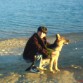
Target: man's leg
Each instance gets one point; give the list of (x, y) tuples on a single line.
[(37, 63), (38, 60), (30, 67)]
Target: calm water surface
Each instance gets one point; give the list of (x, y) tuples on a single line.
[(20, 18)]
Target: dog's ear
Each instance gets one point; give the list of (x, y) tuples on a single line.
[(57, 36)]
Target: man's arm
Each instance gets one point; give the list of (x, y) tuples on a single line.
[(38, 47)]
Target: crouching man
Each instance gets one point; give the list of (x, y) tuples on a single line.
[(36, 49)]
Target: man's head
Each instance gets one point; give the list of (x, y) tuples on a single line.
[(42, 31)]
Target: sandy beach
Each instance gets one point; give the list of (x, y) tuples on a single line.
[(14, 73), (12, 66)]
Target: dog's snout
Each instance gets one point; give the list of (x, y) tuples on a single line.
[(67, 41)]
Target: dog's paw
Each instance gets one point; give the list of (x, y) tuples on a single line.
[(52, 71), (42, 68), (58, 70)]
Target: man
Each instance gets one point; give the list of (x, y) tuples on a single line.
[(37, 48)]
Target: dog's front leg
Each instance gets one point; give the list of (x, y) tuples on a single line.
[(56, 64), (51, 65)]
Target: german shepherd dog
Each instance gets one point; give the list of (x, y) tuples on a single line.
[(59, 42)]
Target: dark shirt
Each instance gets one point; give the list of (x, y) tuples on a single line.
[(36, 45)]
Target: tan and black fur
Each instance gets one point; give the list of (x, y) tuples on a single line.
[(59, 42)]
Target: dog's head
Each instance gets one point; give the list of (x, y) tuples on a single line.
[(61, 40)]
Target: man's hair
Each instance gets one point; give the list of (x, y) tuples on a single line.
[(42, 29)]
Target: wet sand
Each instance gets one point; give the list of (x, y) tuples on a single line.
[(15, 73)]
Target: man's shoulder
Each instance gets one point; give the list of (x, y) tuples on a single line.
[(34, 35)]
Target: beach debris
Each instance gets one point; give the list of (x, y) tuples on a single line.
[(76, 48), (19, 75), (76, 67), (1, 74), (3, 50)]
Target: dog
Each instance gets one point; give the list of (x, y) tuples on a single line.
[(59, 43)]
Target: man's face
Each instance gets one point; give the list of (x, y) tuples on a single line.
[(43, 34)]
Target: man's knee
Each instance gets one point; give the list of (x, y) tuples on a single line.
[(38, 56)]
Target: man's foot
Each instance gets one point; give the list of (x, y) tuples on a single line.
[(52, 71), (35, 70)]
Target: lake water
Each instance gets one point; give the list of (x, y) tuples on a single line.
[(21, 18)]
